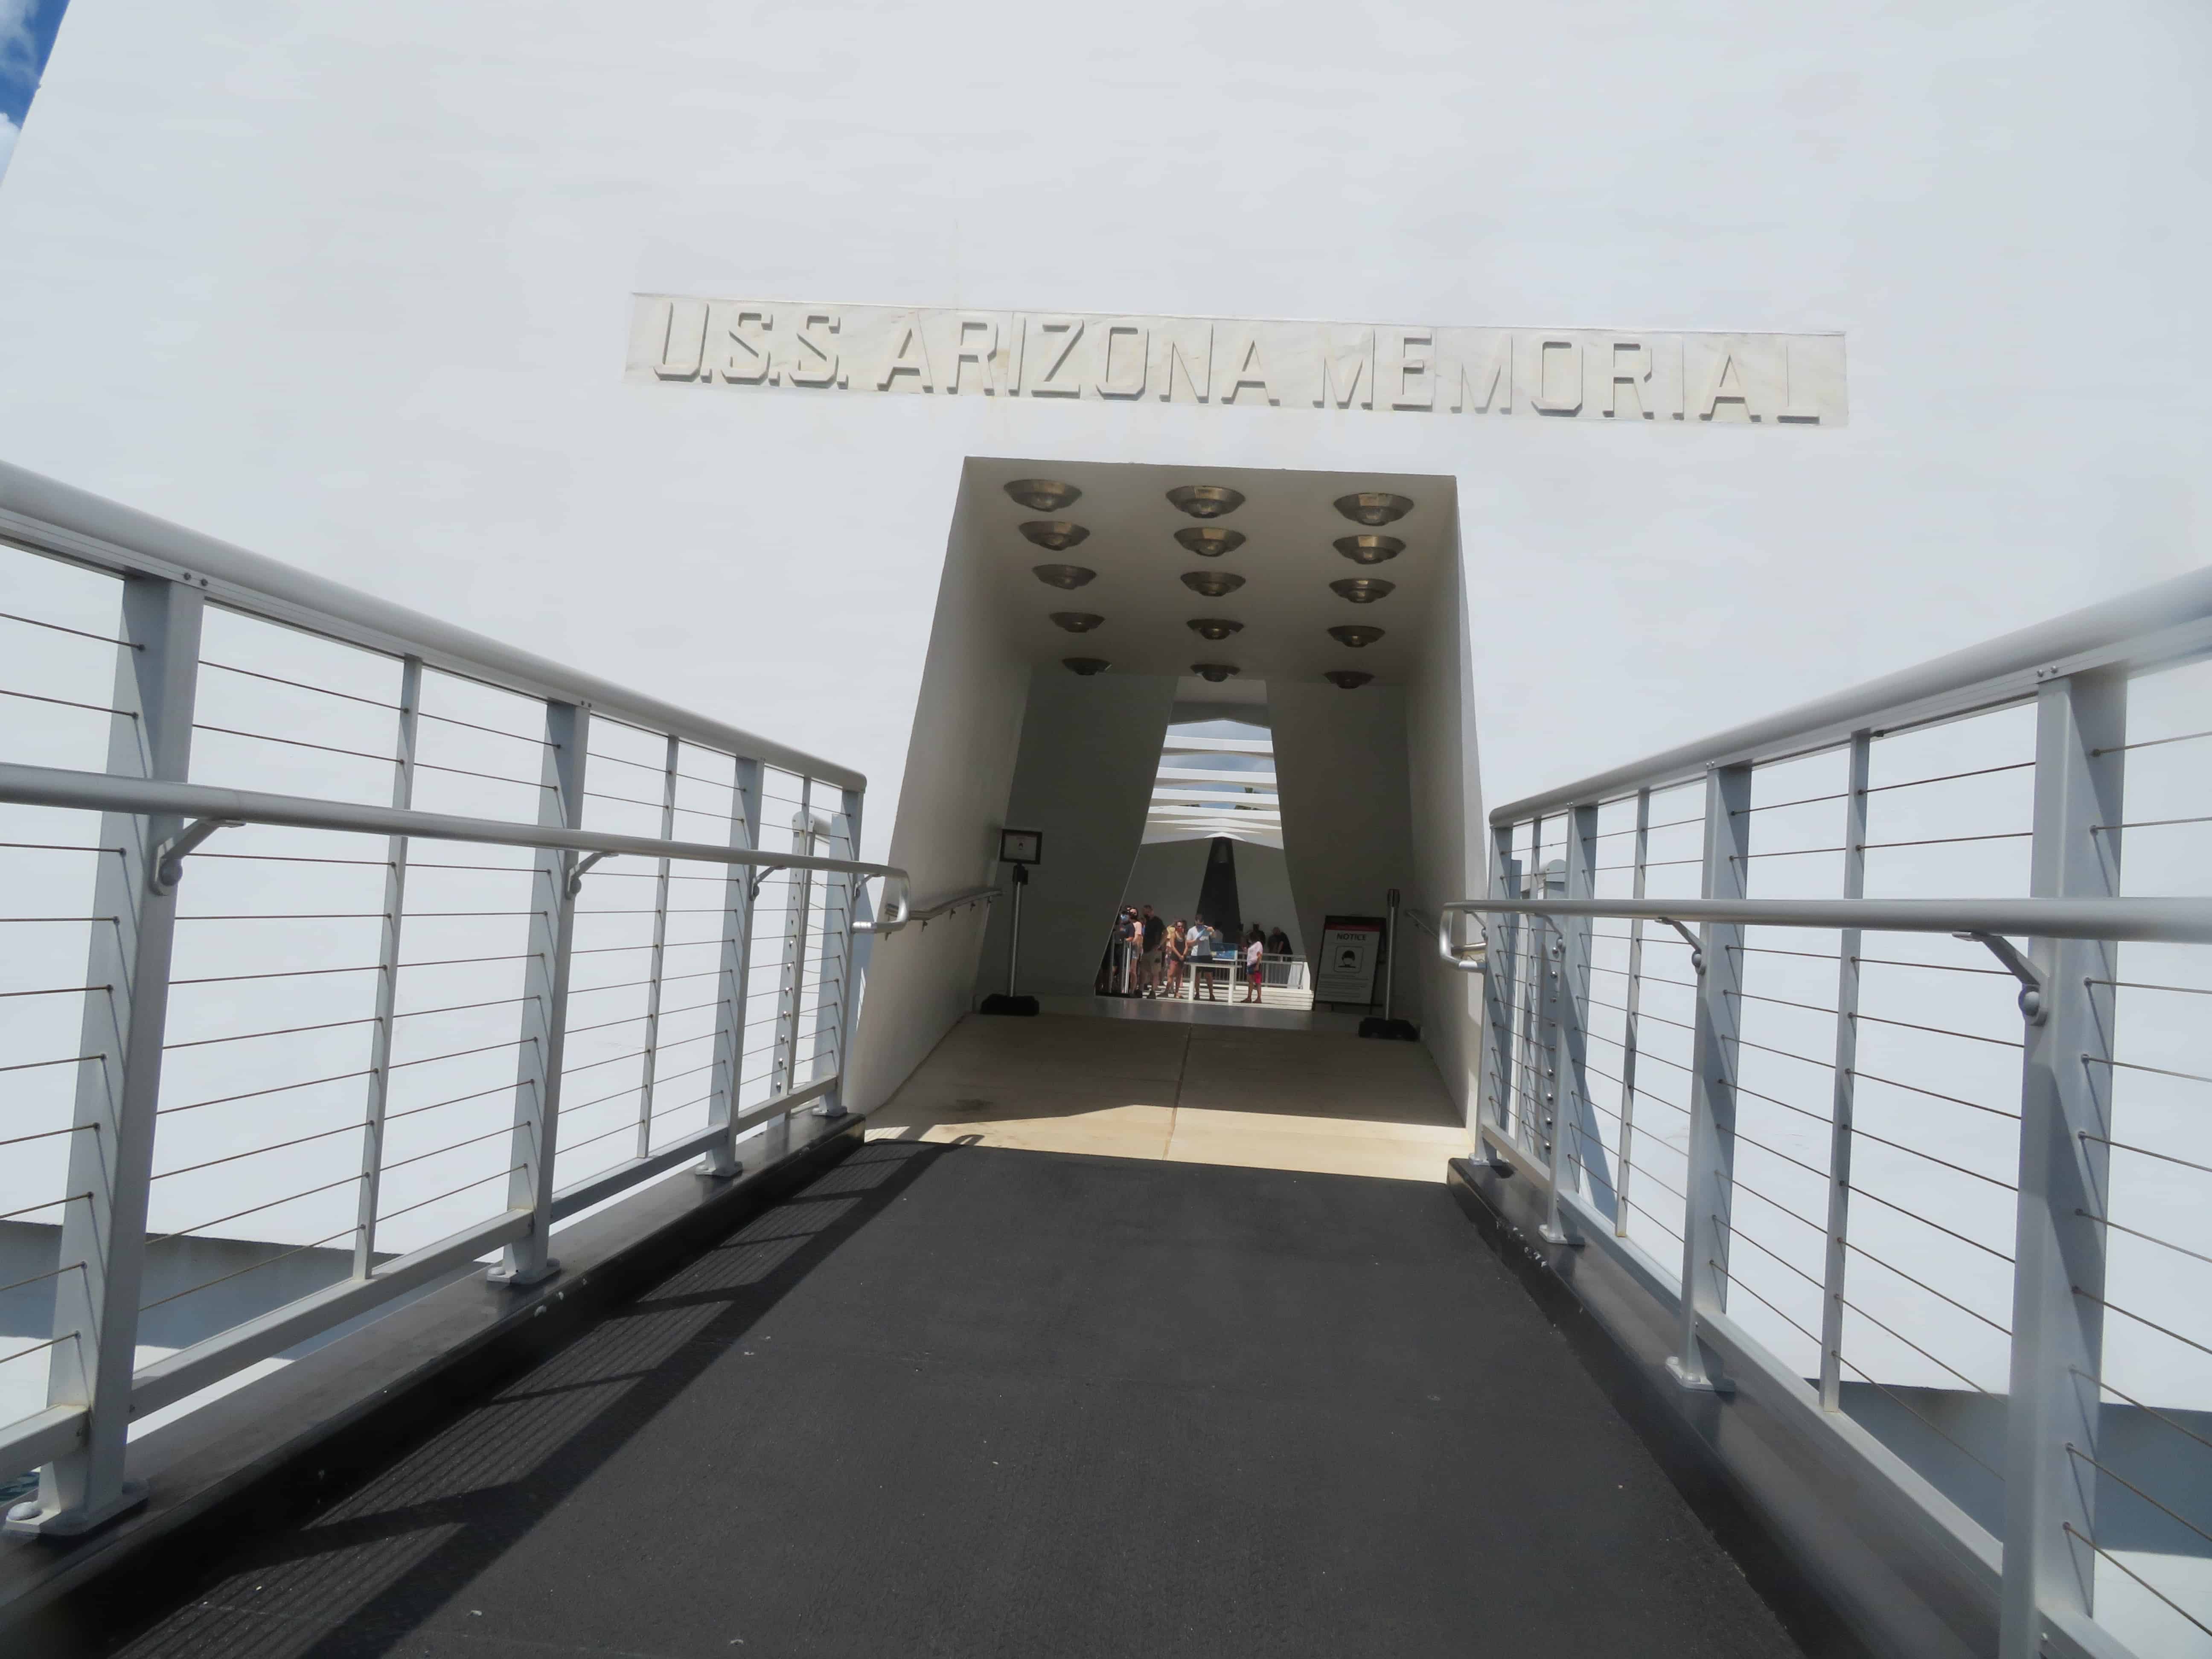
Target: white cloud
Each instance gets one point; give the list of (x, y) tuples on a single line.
[(8, 132), (15, 25)]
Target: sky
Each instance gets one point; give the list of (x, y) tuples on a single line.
[(27, 35)]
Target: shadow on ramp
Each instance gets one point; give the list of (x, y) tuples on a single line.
[(359, 1576)]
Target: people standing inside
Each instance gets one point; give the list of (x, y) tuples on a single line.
[(1201, 952), (1133, 946), (1177, 943), (1154, 934), (1256, 958), (1279, 946)]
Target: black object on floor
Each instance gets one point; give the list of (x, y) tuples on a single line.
[(981, 1402), (999, 1003), (1390, 1030)]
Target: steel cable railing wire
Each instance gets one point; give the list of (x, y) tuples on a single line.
[(2071, 1531)]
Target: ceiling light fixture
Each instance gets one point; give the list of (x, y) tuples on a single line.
[(1370, 549), (1205, 501), (1069, 576), (1347, 679), (1085, 666), (1355, 635), (1044, 495), (1076, 622), (1373, 508), (1214, 584), (1362, 590), (1054, 535), (1214, 627), (1208, 542), (1215, 672)]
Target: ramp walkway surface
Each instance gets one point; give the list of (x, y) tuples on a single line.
[(971, 1400)]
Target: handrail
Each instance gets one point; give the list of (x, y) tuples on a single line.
[(2160, 623), (2165, 920), (1466, 959), (926, 912), (46, 786), (52, 517)]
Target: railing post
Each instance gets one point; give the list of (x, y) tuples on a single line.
[(103, 1242), (1847, 1059), (1544, 1066), (791, 986), (387, 984), (1573, 1122), (658, 957), (834, 1019), (2058, 1279), (1711, 1172), (535, 1145), (737, 892), (1498, 987), (1633, 1002), (1535, 1087)]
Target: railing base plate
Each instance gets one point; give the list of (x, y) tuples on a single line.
[(1691, 1382), (517, 1278), (28, 1520)]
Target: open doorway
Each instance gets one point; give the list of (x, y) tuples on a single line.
[(1210, 878), (1177, 675)]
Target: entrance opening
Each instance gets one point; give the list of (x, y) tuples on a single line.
[(1230, 695), (1212, 867)]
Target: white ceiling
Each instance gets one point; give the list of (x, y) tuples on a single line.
[(1287, 560)]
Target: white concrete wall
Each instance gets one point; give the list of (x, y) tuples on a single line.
[(1340, 766), (960, 766), (1090, 749), (347, 283), (1451, 839)]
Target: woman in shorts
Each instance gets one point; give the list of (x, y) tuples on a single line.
[(1173, 948)]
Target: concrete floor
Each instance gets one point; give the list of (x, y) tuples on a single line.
[(1167, 1086)]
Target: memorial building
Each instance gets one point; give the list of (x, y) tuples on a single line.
[(1206, 459)]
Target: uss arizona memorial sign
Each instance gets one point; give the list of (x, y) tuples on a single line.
[(1569, 373)]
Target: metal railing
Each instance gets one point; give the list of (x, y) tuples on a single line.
[(1936, 1203), (344, 948), (898, 912)]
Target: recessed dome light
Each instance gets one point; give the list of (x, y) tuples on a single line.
[(1215, 671), (1373, 508), (1354, 635), (1370, 549), (1069, 576), (1209, 543), (1214, 584), (1362, 590), (1076, 622), (1044, 495), (1085, 666), (1205, 501), (1347, 679), (1214, 627), (1054, 535)]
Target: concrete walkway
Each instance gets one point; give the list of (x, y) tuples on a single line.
[(1189, 1092)]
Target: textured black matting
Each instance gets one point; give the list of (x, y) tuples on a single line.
[(979, 1402)]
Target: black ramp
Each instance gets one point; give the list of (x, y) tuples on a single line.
[(981, 1402)]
